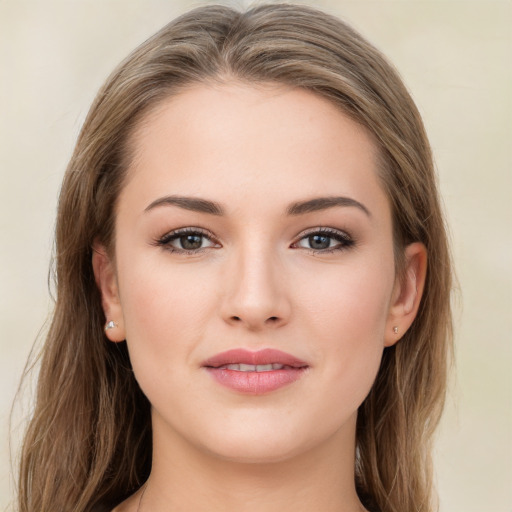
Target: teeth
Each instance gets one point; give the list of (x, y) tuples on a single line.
[(253, 367)]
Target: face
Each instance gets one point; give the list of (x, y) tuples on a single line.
[(254, 273)]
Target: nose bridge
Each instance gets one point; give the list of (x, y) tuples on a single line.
[(255, 293)]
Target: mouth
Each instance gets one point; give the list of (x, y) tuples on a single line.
[(242, 367), (255, 373)]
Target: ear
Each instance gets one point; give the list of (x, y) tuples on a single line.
[(407, 293), (106, 281)]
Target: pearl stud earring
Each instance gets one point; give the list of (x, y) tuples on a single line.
[(110, 325)]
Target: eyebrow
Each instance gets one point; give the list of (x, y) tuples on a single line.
[(297, 208), (323, 203), (188, 203)]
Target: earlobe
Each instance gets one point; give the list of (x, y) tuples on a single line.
[(407, 293), (106, 281)]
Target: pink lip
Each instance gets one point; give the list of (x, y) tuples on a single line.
[(255, 383)]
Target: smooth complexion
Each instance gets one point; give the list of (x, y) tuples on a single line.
[(264, 263)]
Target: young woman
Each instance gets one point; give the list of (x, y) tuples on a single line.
[(253, 281)]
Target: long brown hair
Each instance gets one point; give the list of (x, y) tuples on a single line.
[(89, 441)]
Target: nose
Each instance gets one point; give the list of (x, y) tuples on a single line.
[(255, 294)]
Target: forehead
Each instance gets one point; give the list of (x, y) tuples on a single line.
[(251, 144)]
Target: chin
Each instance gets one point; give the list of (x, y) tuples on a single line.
[(265, 442)]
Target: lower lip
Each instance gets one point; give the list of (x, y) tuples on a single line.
[(256, 383)]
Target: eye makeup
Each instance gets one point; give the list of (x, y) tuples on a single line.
[(187, 241), (324, 240), (193, 240)]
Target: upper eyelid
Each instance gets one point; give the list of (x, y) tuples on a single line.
[(329, 231), (322, 229), (187, 230)]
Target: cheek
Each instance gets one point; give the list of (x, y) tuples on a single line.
[(350, 303), (165, 309), (347, 314)]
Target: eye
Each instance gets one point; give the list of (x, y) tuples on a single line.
[(325, 240), (187, 240)]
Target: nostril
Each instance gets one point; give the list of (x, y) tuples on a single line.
[(253, 322)]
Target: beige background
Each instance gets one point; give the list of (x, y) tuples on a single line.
[(455, 56)]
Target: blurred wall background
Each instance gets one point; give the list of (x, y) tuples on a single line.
[(454, 55)]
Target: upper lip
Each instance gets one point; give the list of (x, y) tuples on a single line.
[(260, 357)]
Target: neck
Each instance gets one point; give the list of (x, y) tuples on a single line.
[(186, 478)]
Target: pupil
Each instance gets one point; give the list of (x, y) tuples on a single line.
[(190, 242), (319, 241)]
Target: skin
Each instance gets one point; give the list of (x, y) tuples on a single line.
[(256, 283)]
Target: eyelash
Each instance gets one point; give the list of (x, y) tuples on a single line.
[(166, 240), (344, 239)]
